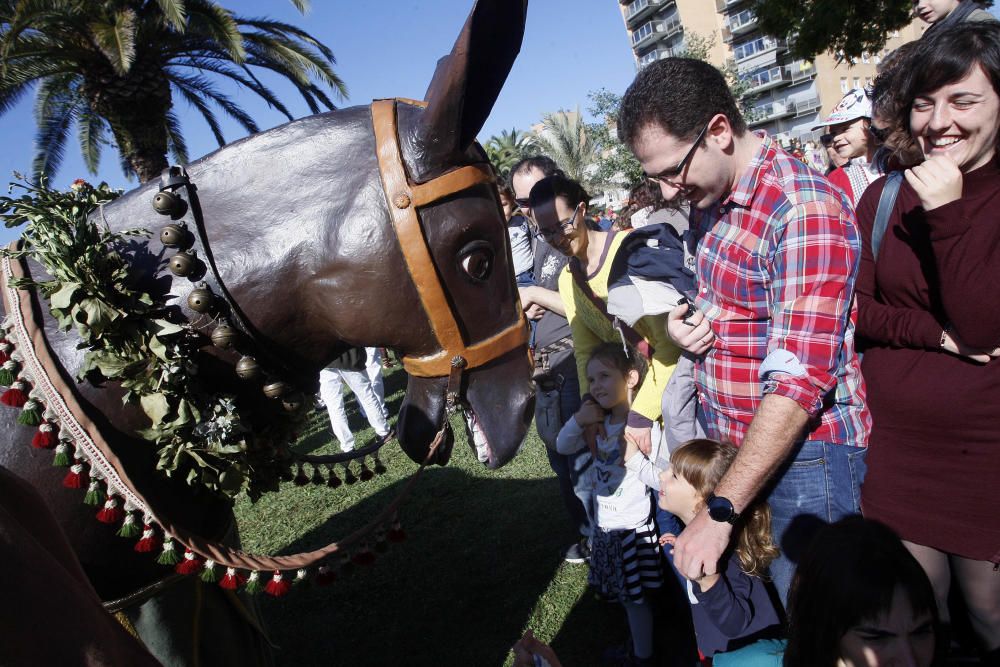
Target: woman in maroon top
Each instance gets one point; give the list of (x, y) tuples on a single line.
[(930, 311)]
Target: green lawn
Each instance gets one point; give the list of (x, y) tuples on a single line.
[(482, 562)]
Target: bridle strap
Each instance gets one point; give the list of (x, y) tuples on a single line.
[(404, 198)]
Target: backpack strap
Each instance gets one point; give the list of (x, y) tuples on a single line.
[(885, 203), (628, 334)]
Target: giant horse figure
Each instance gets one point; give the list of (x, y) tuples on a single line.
[(372, 225)]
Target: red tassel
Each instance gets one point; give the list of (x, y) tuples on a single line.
[(325, 576), (111, 512), (14, 397), (277, 586), (190, 564), (4, 354), (232, 580), (45, 436), (149, 542), (364, 557), (74, 478)]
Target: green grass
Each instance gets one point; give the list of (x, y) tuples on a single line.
[(482, 562)]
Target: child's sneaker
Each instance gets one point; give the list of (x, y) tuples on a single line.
[(578, 552)]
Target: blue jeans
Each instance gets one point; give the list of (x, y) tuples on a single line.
[(570, 470), (819, 485)]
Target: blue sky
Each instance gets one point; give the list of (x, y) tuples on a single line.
[(390, 48)]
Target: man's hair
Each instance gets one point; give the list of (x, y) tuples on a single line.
[(680, 95), (542, 163)]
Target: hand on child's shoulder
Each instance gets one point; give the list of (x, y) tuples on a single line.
[(667, 538)]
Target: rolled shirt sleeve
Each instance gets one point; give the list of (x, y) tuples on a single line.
[(815, 266)]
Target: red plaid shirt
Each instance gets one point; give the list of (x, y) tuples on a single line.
[(776, 264)]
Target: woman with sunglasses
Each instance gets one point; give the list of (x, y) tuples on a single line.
[(559, 207), (929, 313)]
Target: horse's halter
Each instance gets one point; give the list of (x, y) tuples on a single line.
[(404, 197)]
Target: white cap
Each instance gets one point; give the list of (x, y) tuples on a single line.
[(855, 104)]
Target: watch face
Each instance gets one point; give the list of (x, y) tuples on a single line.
[(720, 509)]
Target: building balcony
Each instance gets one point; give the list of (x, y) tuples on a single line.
[(639, 10), (655, 55), (772, 111), (726, 5), (646, 34), (805, 107), (766, 79), (801, 70), (757, 47), (739, 24)]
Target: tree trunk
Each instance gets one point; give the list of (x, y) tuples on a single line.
[(136, 107)]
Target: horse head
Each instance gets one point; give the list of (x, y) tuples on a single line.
[(380, 225)]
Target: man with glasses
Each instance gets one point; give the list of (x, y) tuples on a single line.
[(776, 260), (852, 136), (556, 381)]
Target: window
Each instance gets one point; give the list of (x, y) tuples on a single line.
[(857, 82), (868, 83), (865, 57), (843, 84)]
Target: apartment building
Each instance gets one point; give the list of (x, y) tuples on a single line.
[(792, 95)]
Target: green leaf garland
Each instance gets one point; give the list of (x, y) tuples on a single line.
[(201, 436)]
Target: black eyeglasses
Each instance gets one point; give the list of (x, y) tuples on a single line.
[(668, 175), (548, 234), (826, 139), (521, 203)]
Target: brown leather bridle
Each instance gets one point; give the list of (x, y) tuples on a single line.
[(404, 198)]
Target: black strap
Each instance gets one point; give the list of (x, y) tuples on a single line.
[(630, 335), (885, 204)]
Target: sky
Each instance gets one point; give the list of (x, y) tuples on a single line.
[(390, 49)]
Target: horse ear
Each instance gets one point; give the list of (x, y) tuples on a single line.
[(467, 82)]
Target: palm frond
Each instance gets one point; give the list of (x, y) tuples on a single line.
[(245, 78), (175, 140), (56, 107), (117, 40), (92, 135), (208, 18), (173, 11)]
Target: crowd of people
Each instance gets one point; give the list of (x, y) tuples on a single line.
[(780, 398)]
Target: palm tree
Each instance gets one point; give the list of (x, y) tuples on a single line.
[(506, 150), (115, 66), (566, 139)]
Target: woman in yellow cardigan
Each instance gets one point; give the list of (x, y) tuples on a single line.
[(559, 206)]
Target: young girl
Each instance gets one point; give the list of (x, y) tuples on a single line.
[(624, 559), (730, 609)]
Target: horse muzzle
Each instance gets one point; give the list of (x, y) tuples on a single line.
[(497, 401)]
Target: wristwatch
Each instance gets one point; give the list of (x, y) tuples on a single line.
[(722, 510)]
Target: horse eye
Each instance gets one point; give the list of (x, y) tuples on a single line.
[(477, 260)]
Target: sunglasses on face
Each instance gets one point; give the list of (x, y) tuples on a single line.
[(880, 133), (826, 140), (564, 225), (521, 203), (668, 175)]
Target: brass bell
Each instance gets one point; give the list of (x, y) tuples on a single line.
[(292, 402), (247, 368), (167, 203), (182, 264), (276, 389), (225, 336), (200, 300), (174, 236)]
